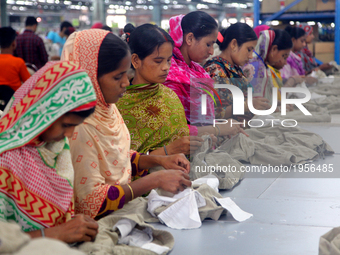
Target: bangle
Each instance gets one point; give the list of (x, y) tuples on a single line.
[(293, 80), (42, 232), (132, 195), (166, 152)]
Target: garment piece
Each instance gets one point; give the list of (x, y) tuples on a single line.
[(262, 83), (330, 242), (185, 80), (293, 67), (36, 178), (222, 72), (15, 242), (100, 147), (154, 116), (107, 239), (217, 162), (31, 48), (277, 145), (55, 38), (235, 211), (13, 71)]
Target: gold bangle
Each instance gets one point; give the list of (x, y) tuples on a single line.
[(132, 195)]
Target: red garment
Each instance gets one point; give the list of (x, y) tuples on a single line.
[(183, 78), (13, 71), (31, 48)]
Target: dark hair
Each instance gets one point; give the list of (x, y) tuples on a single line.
[(146, 38), (240, 31), (199, 23), (129, 28), (282, 40), (31, 21), (111, 52), (295, 32), (83, 114), (65, 24), (7, 36), (69, 31), (107, 28)]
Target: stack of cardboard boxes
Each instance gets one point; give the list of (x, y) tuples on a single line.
[(323, 51)]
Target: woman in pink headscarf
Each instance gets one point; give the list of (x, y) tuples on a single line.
[(260, 28), (194, 36)]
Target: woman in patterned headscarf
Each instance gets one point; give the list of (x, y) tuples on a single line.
[(100, 147), (194, 36), (308, 60), (36, 173)]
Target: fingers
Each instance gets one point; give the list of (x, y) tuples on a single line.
[(243, 132)]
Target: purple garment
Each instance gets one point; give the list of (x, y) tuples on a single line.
[(293, 67)]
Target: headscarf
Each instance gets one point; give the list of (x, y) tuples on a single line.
[(293, 67), (308, 60), (97, 25), (36, 178), (100, 147), (154, 115), (186, 80), (260, 28), (261, 82)]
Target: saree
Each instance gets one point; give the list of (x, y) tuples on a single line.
[(293, 67), (222, 72), (154, 116), (36, 178), (100, 147), (186, 81)]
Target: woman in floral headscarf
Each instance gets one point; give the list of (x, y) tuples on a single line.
[(36, 173), (308, 60), (273, 46), (194, 36), (100, 147)]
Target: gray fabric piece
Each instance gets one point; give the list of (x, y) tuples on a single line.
[(14, 241), (106, 242), (206, 161), (330, 243), (276, 146)]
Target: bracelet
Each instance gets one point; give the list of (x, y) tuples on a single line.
[(42, 232), (132, 195), (216, 130), (293, 80), (166, 152)]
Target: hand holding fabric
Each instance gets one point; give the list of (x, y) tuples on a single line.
[(173, 181), (176, 162), (82, 228), (184, 145)]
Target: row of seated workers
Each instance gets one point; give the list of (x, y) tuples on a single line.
[(78, 137)]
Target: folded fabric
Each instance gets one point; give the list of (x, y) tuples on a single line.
[(330, 242), (114, 237), (276, 146), (132, 236)]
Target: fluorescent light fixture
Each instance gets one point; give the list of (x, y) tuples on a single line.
[(275, 22), (311, 23)]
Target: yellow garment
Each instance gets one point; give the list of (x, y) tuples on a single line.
[(276, 81)]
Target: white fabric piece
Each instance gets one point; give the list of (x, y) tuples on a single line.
[(318, 74), (237, 213), (155, 248), (211, 180), (137, 237), (298, 95), (183, 214), (129, 235), (125, 226)]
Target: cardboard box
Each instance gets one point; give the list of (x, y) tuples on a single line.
[(325, 5), (325, 57), (270, 6), (300, 7), (324, 48)]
